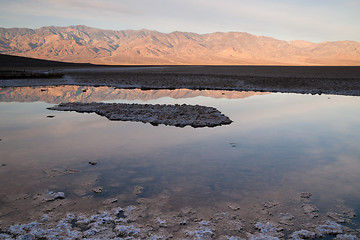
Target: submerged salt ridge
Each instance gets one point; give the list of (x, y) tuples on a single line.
[(172, 115)]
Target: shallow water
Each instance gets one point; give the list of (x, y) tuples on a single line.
[(278, 146)]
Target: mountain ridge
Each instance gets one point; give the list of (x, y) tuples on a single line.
[(83, 44)]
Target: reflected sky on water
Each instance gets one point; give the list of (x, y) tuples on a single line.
[(278, 144)]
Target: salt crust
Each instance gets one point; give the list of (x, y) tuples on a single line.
[(135, 222), (120, 223), (172, 115)]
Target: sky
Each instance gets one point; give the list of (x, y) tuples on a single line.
[(311, 20)]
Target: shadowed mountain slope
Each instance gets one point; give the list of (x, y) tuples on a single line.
[(9, 61)]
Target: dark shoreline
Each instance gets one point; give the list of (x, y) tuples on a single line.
[(17, 74), (339, 80), (304, 80)]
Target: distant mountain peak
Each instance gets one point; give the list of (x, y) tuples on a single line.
[(81, 43)]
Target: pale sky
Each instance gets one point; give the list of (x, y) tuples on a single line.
[(312, 20)]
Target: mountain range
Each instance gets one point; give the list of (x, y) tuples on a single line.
[(82, 44)]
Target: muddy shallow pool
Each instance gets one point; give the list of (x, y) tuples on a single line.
[(278, 147)]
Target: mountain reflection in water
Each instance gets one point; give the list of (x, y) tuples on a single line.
[(59, 94)]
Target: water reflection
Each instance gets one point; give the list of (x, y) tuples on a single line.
[(278, 145), (59, 94)]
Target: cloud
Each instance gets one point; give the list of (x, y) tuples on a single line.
[(90, 6), (74, 9)]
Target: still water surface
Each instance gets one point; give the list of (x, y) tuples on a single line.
[(277, 146)]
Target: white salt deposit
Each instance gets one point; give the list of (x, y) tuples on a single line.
[(330, 227), (267, 230), (303, 234), (50, 195), (345, 237)]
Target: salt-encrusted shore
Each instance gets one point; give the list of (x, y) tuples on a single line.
[(172, 115), (146, 220)]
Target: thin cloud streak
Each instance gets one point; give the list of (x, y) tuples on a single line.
[(66, 8)]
